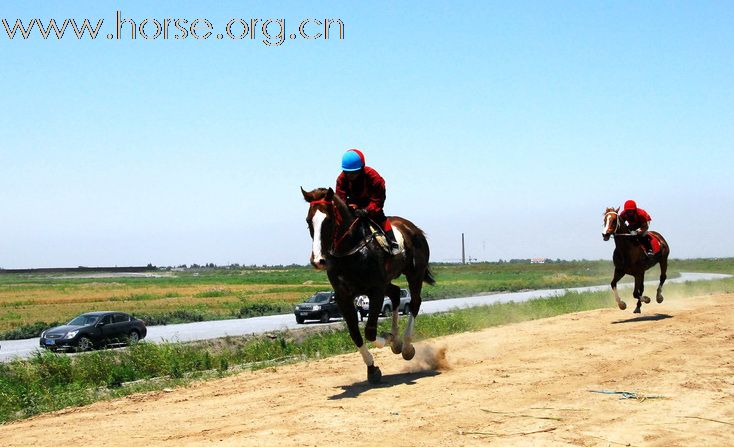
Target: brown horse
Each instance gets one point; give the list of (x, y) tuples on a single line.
[(630, 258), (347, 248)]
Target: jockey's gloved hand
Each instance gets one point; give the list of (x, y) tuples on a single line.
[(360, 212), (633, 232)]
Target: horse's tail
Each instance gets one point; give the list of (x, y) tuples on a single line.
[(420, 242), (428, 277)]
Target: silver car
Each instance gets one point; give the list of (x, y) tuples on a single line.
[(362, 303)]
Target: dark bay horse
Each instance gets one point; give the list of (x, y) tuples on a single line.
[(347, 248), (630, 258)]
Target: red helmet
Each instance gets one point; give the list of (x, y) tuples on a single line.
[(630, 205)]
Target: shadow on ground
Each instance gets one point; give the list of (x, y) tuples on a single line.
[(354, 390), (655, 317)]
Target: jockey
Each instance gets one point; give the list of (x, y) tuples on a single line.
[(638, 222), (363, 189)]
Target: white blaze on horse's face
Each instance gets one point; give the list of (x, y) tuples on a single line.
[(317, 257), (610, 220)]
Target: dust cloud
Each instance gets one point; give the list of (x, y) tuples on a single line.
[(428, 358)]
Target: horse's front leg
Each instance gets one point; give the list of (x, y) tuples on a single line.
[(346, 307), (639, 289), (370, 328), (618, 274)]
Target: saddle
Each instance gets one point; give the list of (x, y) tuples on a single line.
[(379, 234)]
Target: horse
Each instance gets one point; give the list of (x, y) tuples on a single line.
[(347, 247), (630, 259)]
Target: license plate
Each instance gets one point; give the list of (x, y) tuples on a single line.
[(304, 313), (50, 342)]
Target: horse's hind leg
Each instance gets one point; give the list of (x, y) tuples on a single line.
[(416, 286), (618, 274), (663, 276), (639, 289), (396, 344)]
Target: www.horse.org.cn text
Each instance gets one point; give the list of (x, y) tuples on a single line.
[(270, 32)]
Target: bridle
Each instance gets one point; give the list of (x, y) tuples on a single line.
[(337, 240), (617, 227)]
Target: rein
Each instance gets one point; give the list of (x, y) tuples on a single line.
[(338, 240), (615, 234)]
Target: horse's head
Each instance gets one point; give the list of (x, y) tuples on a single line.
[(327, 214), (320, 220), (611, 223)]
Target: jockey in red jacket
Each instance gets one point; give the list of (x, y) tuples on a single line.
[(363, 189), (638, 221)]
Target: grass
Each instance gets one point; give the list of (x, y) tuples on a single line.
[(30, 303), (49, 381)]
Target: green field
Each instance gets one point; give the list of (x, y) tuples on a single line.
[(30, 303)]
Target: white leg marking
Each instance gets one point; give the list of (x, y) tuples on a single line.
[(379, 342), (409, 328), (616, 295), (366, 356), (318, 220), (395, 317)]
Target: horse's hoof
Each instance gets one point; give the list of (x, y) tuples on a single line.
[(646, 299), (408, 351), (622, 305), (637, 311), (659, 299), (397, 347), (374, 375)]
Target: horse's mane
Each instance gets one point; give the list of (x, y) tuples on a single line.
[(622, 226), (343, 209)]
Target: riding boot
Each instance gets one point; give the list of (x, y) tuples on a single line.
[(647, 245), (394, 247)]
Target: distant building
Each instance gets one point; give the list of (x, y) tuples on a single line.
[(537, 260)]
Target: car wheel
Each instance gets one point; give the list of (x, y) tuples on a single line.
[(134, 337), (406, 309), (387, 311), (325, 317), (300, 320), (84, 344)]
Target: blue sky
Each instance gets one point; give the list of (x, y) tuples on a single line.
[(515, 123)]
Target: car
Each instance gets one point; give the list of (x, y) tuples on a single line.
[(93, 330), (320, 306), (386, 311)]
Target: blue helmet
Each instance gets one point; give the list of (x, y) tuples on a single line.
[(352, 160)]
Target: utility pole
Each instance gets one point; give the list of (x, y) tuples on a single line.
[(463, 256)]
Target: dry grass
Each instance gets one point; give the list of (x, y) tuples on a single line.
[(21, 305)]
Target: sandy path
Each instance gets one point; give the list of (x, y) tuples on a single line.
[(525, 384)]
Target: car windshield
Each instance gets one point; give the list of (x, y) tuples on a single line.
[(321, 297), (83, 320)]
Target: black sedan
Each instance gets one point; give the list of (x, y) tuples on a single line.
[(320, 306), (94, 330)]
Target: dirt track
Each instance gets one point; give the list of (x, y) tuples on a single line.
[(525, 384)]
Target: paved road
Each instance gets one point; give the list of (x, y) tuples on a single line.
[(213, 329)]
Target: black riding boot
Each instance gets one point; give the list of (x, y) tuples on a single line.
[(394, 247), (647, 245)]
